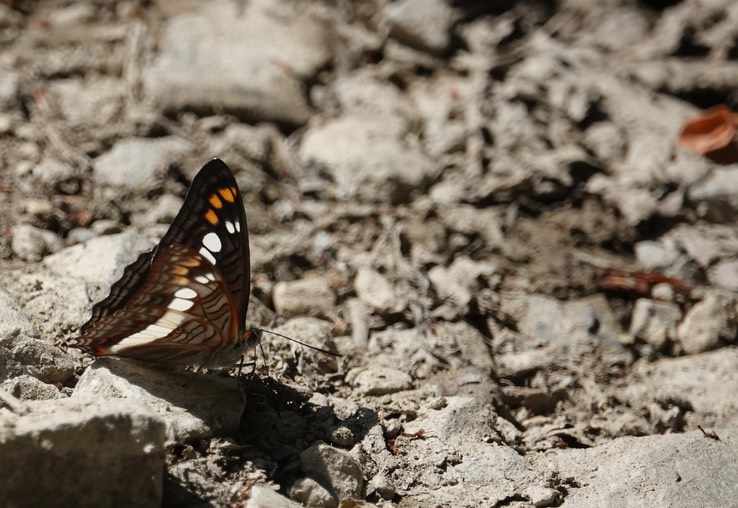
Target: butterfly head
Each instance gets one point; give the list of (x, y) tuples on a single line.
[(250, 338)]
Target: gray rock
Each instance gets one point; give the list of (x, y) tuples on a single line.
[(12, 318), (334, 469), (264, 497), (368, 158), (656, 255), (655, 322), (422, 24), (716, 197), (271, 50), (459, 281), (89, 102), (342, 436), (380, 381), (704, 382), (31, 243), (382, 486), (93, 453), (57, 305), (709, 323), (100, 261), (459, 460), (724, 274), (375, 290), (651, 471), (135, 163), (302, 297), (25, 387), (9, 80), (193, 405), (21, 355), (310, 493)]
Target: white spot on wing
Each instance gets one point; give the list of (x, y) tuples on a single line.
[(238, 226), (186, 293), (202, 279), (212, 242), (204, 252), (181, 304), (230, 227), (163, 327)]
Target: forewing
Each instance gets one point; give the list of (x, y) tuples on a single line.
[(212, 222), (183, 309)]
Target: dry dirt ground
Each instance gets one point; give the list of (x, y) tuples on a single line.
[(481, 205)]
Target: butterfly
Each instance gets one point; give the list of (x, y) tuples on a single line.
[(185, 301)]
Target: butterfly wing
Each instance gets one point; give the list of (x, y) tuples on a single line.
[(212, 222), (182, 313)]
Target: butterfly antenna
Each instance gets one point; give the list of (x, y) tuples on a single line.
[(324, 351)]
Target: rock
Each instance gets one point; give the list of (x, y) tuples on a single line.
[(656, 255), (724, 274), (95, 453), (655, 322), (271, 50), (302, 297), (716, 197), (9, 82), (263, 497), (422, 24), (310, 493), (313, 332), (92, 103), (342, 436), (193, 405), (57, 305), (380, 381), (21, 355), (375, 290), (100, 261), (461, 279), (692, 381), (368, 159), (31, 243), (458, 458), (540, 496), (381, 486), (12, 318), (25, 387), (135, 163), (334, 469), (709, 323), (651, 471)]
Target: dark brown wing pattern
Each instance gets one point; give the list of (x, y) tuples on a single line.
[(184, 302)]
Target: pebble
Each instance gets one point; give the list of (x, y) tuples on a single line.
[(303, 297), (311, 493), (655, 322), (134, 163), (336, 469), (30, 243), (381, 381), (708, 324)]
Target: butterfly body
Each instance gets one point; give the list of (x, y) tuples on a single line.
[(185, 301)]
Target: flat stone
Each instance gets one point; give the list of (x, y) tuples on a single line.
[(302, 297), (25, 387), (12, 318), (21, 355), (271, 49), (709, 323), (263, 497), (422, 24), (311, 493), (31, 243), (94, 453), (368, 159), (381, 381), (193, 405), (375, 290), (655, 322), (656, 470), (334, 469), (135, 163)]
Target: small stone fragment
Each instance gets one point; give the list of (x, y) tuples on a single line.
[(335, 469)]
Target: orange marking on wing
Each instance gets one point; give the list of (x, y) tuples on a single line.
[(211, 217), (227, 194), (215, 201), (180, 270)]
